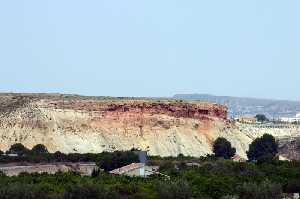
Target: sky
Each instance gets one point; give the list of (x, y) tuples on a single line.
[(151, 47)]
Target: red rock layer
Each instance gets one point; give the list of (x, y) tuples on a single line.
[(176, 109)]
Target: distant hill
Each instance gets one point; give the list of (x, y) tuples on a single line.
[(249, 106)]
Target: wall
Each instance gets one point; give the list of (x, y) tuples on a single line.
[(83, 168)]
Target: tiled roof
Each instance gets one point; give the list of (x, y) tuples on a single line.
[(127, 168), (238, 158)]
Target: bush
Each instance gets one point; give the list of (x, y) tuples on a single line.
[(88, 191), (265, 190), (261, 118), (217, 187), (170, 190), (222, 148), (18, 148), (24, 191), (39, 148)]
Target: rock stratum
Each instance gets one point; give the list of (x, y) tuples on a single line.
[(78, 124)]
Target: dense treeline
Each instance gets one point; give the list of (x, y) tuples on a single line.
[(39, 154), (50, 157), (261, 148), (212, 179)]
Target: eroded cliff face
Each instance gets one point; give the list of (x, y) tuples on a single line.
[(71, 123)]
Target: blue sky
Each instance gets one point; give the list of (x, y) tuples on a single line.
[(151, 48)]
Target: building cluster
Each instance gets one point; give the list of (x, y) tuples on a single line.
[(249, 119), (295, 119)]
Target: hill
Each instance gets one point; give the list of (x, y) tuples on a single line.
[(72, 123), (164, 127)]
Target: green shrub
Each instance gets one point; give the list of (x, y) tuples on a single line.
[(88, 191), (18, 148), (217, 187), (170, 190), (39, 148), (24, 191), (261, 118), (265, 190)]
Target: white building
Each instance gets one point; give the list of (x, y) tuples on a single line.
[(135, 169), (291, 119)]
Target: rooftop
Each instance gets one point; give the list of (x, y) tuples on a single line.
[(127, 168)]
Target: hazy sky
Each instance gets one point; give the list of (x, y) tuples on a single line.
[(151, 47)]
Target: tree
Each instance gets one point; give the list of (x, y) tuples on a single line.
[(264, 146), (18, 148), (222, 148), (261, 118), (59, 156), (39, 148)]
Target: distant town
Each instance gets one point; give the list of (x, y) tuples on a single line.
[(260, 118)]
